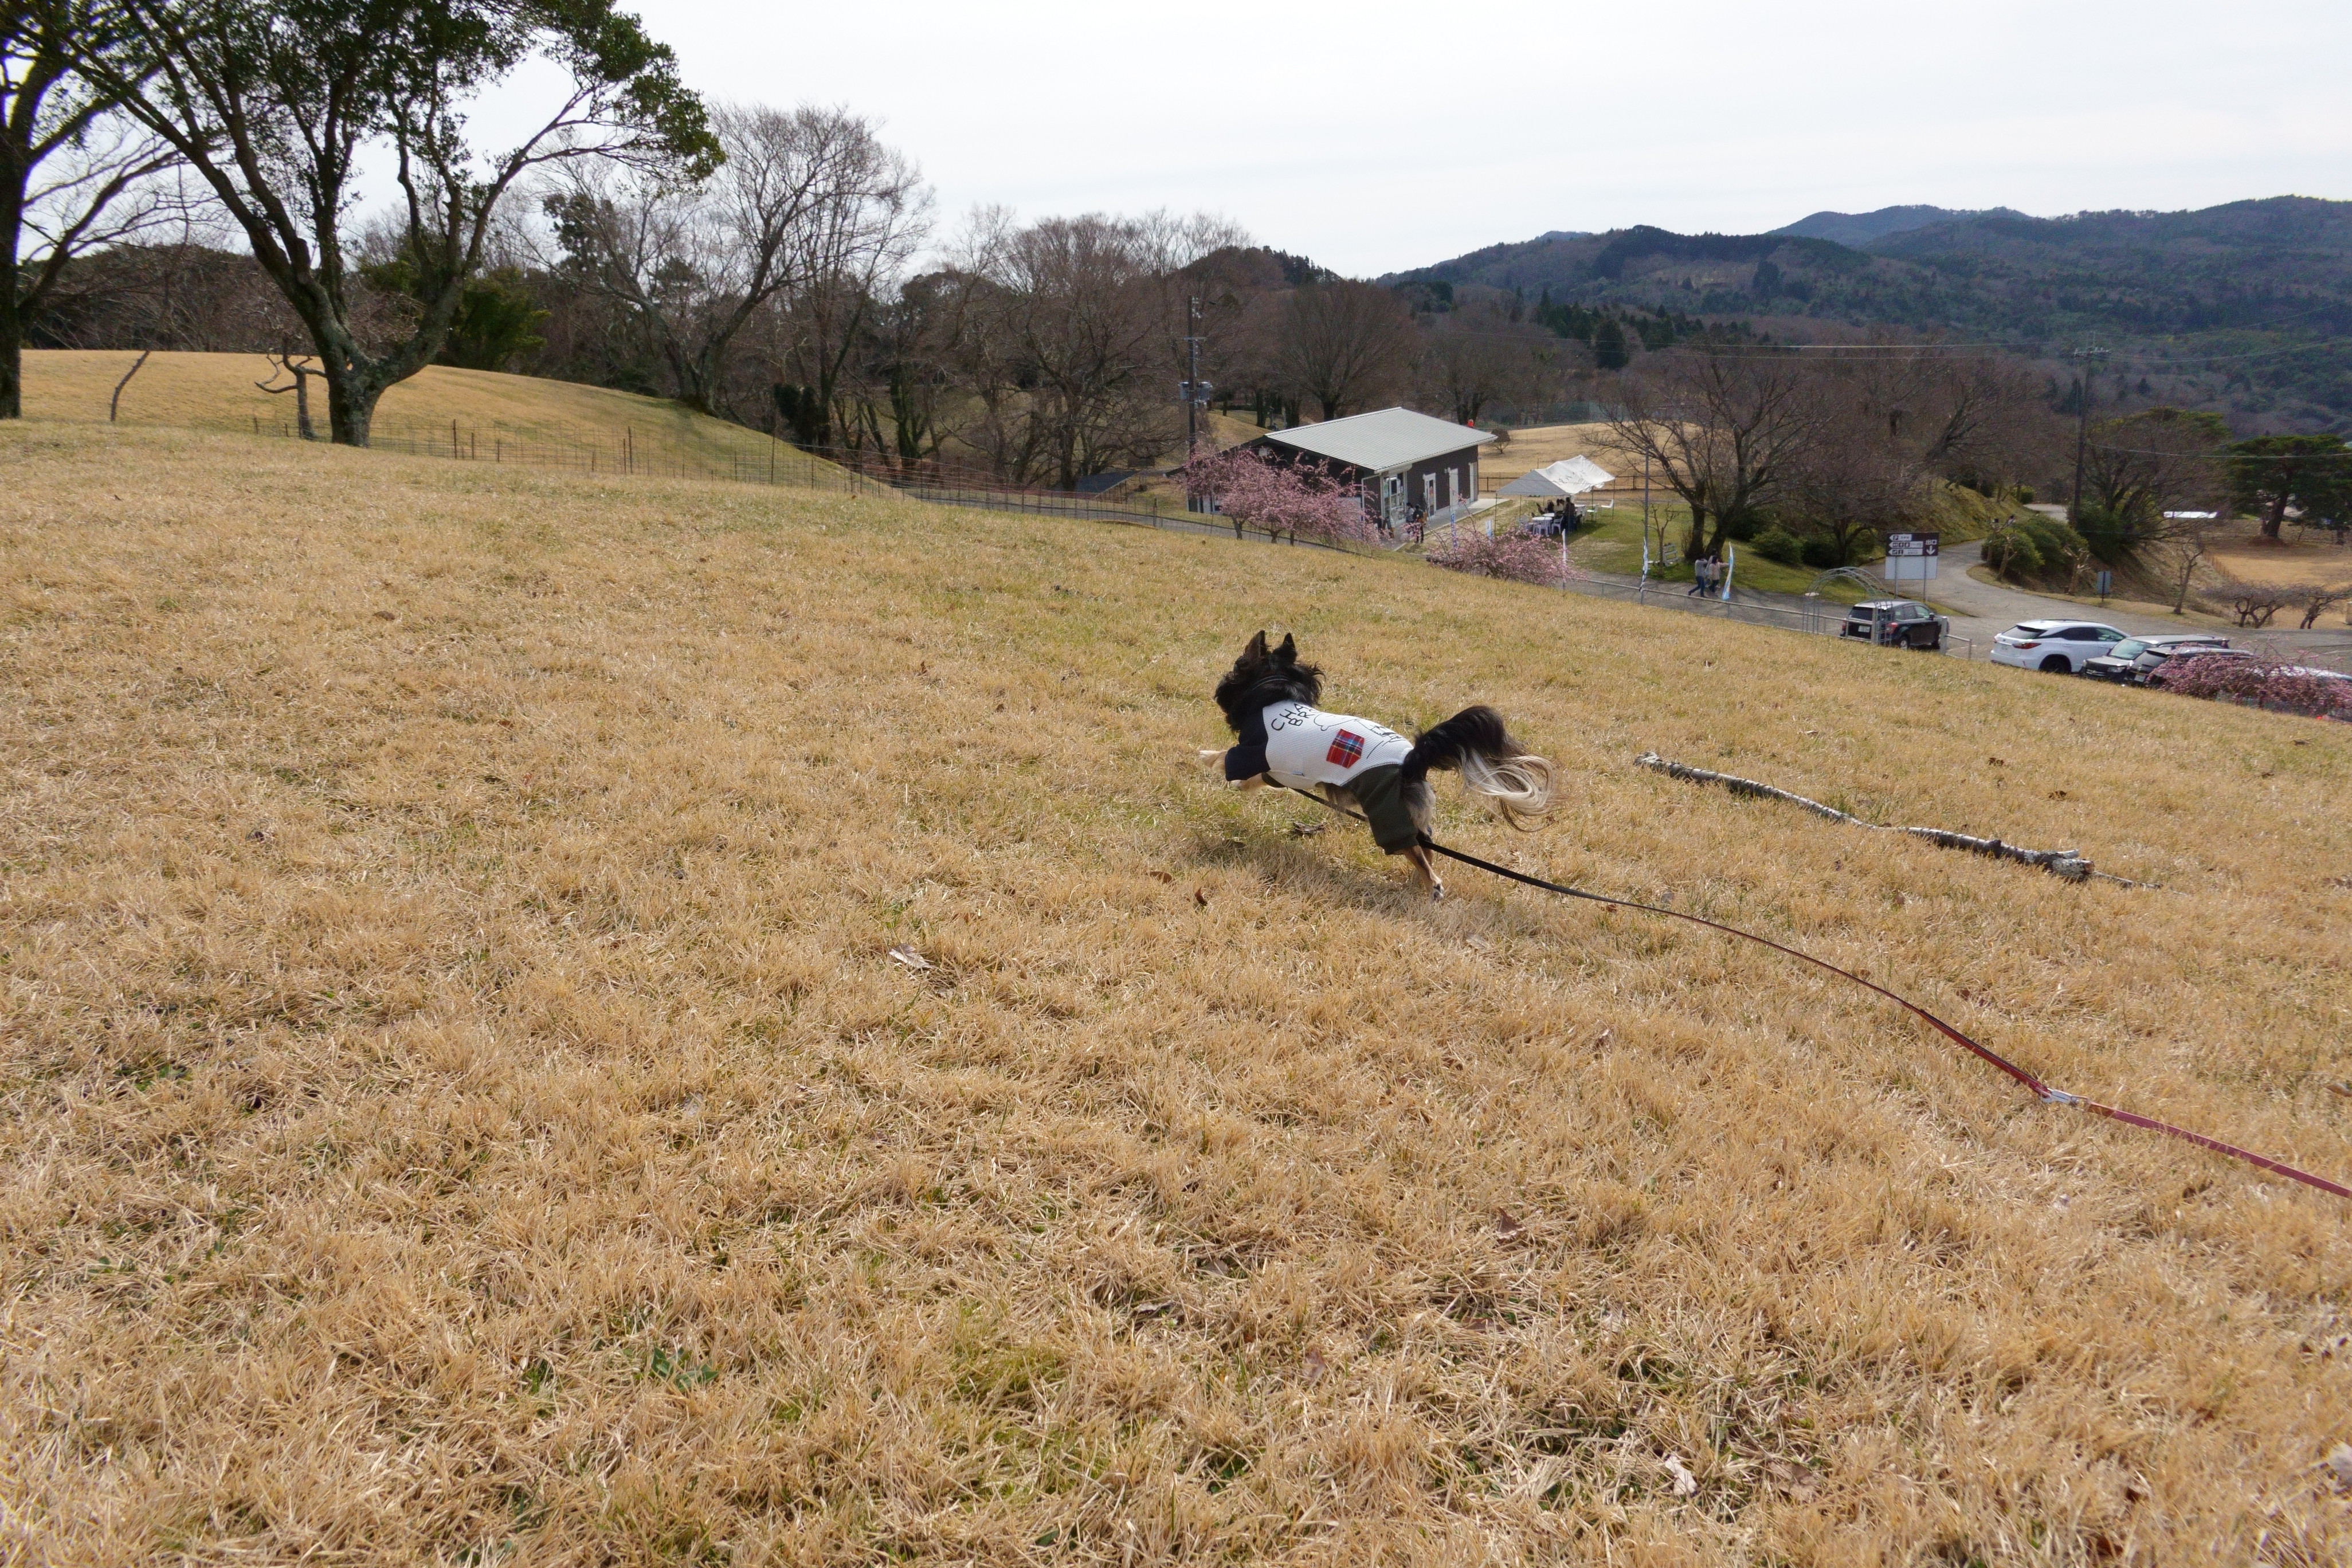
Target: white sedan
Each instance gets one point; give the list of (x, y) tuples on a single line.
[(2063, 648)]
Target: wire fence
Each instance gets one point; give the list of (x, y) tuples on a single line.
[(947, 483)]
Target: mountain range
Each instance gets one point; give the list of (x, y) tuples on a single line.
[(2244, 308)]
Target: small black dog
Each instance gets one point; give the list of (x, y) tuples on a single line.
[(1269, 700)]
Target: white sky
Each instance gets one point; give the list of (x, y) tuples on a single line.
[(1375, 136)]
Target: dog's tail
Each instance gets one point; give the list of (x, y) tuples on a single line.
[(1492, 764)]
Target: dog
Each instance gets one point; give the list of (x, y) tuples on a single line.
[(1282, 738)]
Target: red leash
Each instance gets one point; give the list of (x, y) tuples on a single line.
[(2040, 1090)]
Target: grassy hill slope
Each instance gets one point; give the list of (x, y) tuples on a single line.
[(460, 1099), (546, 418)]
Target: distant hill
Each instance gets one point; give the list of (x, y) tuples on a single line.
[(2246, 308), (1858, 229)]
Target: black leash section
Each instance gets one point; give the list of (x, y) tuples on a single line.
[(2040, 1090)]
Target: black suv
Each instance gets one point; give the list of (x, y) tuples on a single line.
[(1895, 623)]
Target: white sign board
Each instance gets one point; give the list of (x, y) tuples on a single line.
[(1911, 557)]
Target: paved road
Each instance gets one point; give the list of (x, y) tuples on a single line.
[(1980, 609)]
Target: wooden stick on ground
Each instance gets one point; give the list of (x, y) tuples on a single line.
[(2064, 863)]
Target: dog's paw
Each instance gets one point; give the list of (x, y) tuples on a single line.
[(1210, 756), (1436, 891)]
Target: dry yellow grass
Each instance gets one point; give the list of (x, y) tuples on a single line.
[(217, 392), (459, 1105), (2308, 564), (1540, 444)]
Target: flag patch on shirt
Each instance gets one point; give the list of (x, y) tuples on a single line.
[(1347, 750)]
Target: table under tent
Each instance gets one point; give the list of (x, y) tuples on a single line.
[(1557, 485)]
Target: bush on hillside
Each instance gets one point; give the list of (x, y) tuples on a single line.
[(2035, 550), (1821, 552), (1777, 543)]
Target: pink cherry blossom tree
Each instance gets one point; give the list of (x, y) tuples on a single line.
[(1252, 490), (1517, 556)]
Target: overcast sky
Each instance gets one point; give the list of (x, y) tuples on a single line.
[(1375, 136)]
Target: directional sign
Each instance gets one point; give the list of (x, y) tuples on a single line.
[(1910, 544)]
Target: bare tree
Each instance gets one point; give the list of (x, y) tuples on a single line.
[(804, 197), (2141, 465), (1470, 357), (1344, 344), (1063, 333), (75, 175), (1726, 428)]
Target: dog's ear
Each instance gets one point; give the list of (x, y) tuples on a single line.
[(1289, 652), (1256, 649)]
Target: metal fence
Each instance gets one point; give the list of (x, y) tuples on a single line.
[(950, 485)]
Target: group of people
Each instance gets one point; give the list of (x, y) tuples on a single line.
[(1706, 575)]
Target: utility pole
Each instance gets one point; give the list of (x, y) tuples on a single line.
[(1192, 378), (2082, 429)]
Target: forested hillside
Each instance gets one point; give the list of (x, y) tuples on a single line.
[(2244, 308)]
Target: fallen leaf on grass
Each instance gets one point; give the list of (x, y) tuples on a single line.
[(2338, 1464), (1200, 897), (1480, 944), (1165, 876), (1685, 1484), (1146, 1310), (910, 958), (1507, 1226), (1306, 830), (1314, 1365), (2343, 1089)]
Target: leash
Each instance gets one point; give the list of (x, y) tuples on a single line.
[(2039, 1089)]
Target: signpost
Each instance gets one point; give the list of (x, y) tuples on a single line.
[(1911, 557)]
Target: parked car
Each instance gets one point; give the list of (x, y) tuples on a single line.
[(2121, 664), (2062, 648), (2178, 659), (1895, 623), (2160, 649)]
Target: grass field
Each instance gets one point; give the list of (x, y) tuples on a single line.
[(218, 392), (461, 1103)]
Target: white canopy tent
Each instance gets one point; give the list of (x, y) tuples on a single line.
[(1569, 476)]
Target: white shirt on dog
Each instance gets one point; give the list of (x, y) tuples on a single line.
[(1305, 746)]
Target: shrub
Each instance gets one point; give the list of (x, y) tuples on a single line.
[(1779, 544), (2026, 549), (1518, 557), (1741, 528), (1820, 550), (2109, 535)]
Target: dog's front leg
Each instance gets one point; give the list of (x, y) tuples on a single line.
[(1427, 871)]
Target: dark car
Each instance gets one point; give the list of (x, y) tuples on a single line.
[(2177, 659), (1895, 623), (2160, 649), (2128, 662)]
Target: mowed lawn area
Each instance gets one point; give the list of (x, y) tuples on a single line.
[(459, 1101)]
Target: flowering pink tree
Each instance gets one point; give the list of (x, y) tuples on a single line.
[(1517, 556), (1254, 491), (2262, 683)]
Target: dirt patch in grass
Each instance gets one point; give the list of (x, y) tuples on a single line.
[(461, 1102)]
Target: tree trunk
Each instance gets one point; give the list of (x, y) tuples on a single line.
[(12, 356), (350, 404), (2274, 516)]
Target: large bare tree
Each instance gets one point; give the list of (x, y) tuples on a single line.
[(274, 104), (1064, 332), (1727, 426), (1344, 344), (75, 175), (804, 197)]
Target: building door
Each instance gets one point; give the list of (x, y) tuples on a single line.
[(1429, 492), (1392, 501), (1453, 487)]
